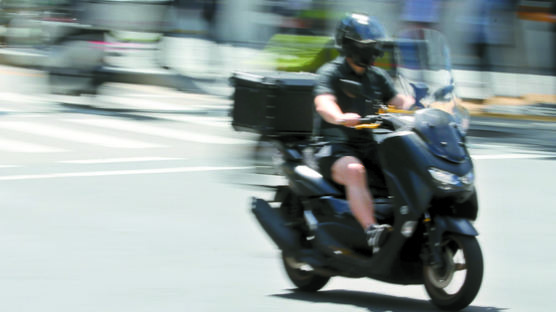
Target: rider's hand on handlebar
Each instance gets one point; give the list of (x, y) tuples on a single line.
[(349, 119)]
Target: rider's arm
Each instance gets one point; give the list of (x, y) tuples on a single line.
[(327, 107), (391, 96), (326, 103), (401, 101)]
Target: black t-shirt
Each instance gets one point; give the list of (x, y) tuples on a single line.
[(377, 86)]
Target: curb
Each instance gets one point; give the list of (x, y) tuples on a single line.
[(515, 108), (514, 116)]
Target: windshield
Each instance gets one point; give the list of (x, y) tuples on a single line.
[(425, 72)]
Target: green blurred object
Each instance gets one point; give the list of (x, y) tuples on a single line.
[(295, 53)]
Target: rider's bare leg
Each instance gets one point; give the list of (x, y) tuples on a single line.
[(350, 172)]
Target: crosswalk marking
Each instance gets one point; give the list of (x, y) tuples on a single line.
[(159, 131), (24, 147), (140, 103), (73, 135), (20, 97), (9, 166)]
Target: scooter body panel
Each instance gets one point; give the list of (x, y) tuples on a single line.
[(406, 160), (461, 226)]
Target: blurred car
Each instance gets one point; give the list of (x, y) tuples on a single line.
[(78, 58), (22, 21), (72, 35)]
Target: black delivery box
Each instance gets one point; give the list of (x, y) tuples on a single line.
[(273, 104)]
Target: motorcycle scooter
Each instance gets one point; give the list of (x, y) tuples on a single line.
[(431, 200)]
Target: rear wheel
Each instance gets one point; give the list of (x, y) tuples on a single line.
[(302, 275), (457, 282)]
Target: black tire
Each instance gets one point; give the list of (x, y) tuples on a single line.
[(438, 282), (304, 280)]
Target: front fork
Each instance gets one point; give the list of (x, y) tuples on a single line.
[(432, 253)]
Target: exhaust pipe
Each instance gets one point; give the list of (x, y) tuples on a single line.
[(275, 226)]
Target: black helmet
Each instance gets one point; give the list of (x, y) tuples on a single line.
[(359, 37)]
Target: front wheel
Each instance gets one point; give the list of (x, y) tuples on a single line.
[(454, 285), (302, 275)]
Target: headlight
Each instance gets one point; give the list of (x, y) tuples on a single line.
[(468, 179), (448, 181)]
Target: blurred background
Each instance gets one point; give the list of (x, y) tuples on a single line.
[(206, 40)]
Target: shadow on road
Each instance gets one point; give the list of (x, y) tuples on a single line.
[(374, 302)]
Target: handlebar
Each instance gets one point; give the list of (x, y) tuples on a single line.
[(369, 122), (380, 120), (370, 119), (383, 116)]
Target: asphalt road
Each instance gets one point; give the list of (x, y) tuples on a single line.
[(146, 210)]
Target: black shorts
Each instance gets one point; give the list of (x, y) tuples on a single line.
[(328, 154)]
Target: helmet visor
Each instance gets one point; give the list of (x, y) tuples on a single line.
[(368, 48), (363, 53)]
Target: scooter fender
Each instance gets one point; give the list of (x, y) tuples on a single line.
[(442, 225), (445, 224)]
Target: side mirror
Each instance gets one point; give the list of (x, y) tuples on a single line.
[(351, 88), (421, 91), (442, 93)]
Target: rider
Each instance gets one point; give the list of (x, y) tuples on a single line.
[(348, 156)]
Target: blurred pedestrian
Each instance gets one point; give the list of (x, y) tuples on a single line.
[(553, 13), (293, 21), (421, 13), (209, 14), (487, 24)]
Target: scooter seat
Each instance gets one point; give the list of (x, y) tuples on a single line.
[(308, 181)]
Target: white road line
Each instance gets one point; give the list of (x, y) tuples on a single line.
[(24, 147), (21, 98), (187, 99), (73, 135), (118, 173), (159, 131), (220, 122), (512, 156), (118, 160), (141, 103)]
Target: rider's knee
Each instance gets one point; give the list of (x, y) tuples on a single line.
[(348, 170), (355, 173)]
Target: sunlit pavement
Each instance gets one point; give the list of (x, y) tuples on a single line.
[(131, 227)]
